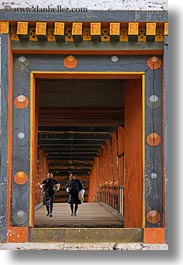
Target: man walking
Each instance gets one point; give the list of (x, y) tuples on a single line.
[(49, 186)]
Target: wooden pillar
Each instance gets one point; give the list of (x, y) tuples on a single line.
[(41, 164), (46, 167), (41, 176), (133, 189), (33, 146), (94, 181), (97, 174), (105, 164), (121, 156), (108, 162), (102, 166), (91, 183), (114, 156)]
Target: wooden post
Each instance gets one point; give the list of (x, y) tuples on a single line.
[(133, 154), (121, 155)]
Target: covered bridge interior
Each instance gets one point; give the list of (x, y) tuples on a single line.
[(80, 125)]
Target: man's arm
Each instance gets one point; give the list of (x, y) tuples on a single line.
[(42, 185)]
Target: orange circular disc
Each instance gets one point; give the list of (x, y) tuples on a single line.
[(70, 62), (154, 63), (20, 178), (153, 217), (21, 102), (153, 139)]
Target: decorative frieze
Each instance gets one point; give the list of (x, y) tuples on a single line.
[(82, 31)]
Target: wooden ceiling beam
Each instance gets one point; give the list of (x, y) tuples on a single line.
[(73, 136), (71, 153), (68, 163), (81, 122), (86, 111), (71, 142), (70, 148), (71, 157), (64, 174), (50, 131), (77, 171), (78, 129), (68, 167)]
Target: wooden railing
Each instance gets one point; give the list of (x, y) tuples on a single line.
[(112, 196)]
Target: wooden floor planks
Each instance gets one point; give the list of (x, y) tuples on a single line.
[(88, 215)]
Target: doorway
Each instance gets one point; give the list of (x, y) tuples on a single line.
[(83, 126)]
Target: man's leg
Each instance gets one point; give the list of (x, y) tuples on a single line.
[(51, 209), (71, 206), (48, 210), (76, 207)]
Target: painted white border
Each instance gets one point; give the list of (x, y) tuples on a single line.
[(92, 5)]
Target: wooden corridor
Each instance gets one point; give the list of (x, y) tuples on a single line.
[(88, 215)]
